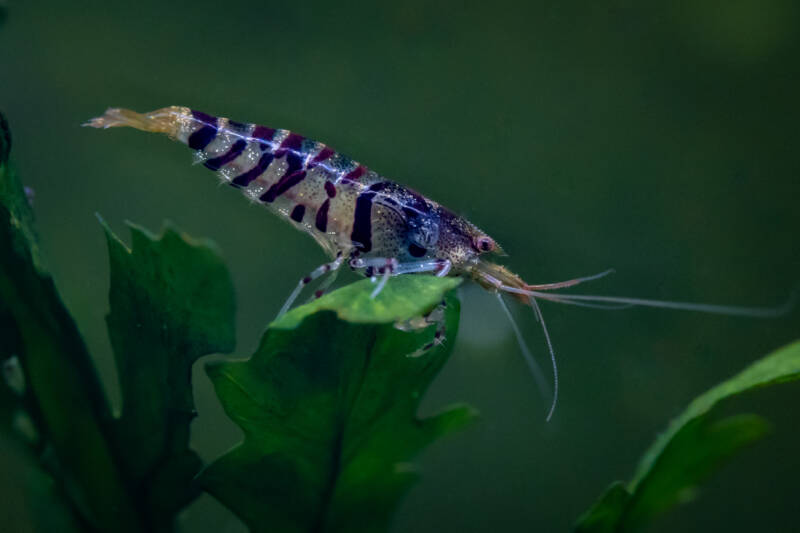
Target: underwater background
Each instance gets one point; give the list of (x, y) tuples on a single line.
[(660, 140)]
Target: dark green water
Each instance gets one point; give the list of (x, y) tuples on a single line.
[(661, 141)]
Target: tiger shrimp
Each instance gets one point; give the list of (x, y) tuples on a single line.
[(371, 224)]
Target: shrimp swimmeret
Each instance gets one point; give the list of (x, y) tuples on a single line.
[(374, 225)]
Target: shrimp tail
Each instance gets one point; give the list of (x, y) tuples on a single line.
[(166, 120)]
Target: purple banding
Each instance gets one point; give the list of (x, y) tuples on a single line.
[(298, 212), (322, 216), (362, 217), (263, 134), (324, 154), (292, 142), (202, 137), (243, 180), (293, 161), (235, 151), (356, 173), (284, 184), (330, 189)]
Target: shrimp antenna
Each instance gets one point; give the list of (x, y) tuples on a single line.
[(569, 282), (585, 299), (535, 306), (498, 278), (753, 312), (534, 366)]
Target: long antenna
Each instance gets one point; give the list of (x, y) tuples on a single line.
[(535, 306), (754, 312), (536, 370)]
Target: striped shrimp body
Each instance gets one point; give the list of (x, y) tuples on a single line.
[(353, 212), (361, 219)]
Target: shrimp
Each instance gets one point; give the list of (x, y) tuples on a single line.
[(374, 225)]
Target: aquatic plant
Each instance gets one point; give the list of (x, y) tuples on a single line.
[(693, 447), (328, 403)]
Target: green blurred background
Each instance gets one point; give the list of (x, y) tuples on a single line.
[(659, 140)]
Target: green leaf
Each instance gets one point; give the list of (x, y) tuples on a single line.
[(781, 366), (20, 237), (698, 450), (328, 407), (68, 403), (172, 302), (691, 449), (32, 501), (605, 514), (402, 298)]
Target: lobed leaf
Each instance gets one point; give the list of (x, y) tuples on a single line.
[(328, 407), (172, 302), (67, 400)]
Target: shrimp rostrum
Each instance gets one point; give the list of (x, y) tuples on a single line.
[(359, 218)]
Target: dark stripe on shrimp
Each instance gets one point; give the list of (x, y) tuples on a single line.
[(324, 154), (293, 160), (202, 137), (292, 142), (356, 173), (330, 189), (237, 127), (362, 217), (284, 184), (264, 135), (298, 212), (236, 150), (243, 180), (322, 216)]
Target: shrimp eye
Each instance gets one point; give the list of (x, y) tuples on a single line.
[(484, 244)]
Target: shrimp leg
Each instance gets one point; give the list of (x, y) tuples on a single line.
[(387, 267), (435, 316), (321, 270), (325, 285)]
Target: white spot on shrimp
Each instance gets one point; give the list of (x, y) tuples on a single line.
[(227, 173), (252, 154), (199, 157), (220, 145)]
